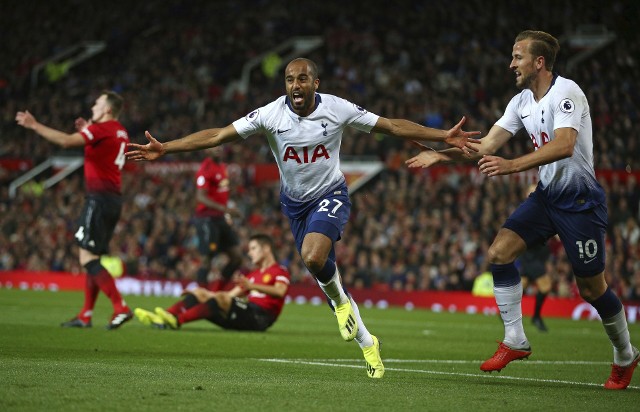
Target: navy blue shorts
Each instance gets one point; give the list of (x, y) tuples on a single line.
[(582, 233), (327, 214)]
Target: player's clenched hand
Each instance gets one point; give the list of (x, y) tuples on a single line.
[(26, 119), (81, 123), (495, 165), (244, 283), (233, 211), (459, 138), (427, 157), (149, 151)]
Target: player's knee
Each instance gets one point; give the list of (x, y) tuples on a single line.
[(86, 257), (201, 294), (498, 256), (587, 294), (591, 288), (313, 262), (590, 292)]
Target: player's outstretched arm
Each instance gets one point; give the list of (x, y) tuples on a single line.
[(457, 137), (427, 157), (203, 139), (409, 130), (28, 121)]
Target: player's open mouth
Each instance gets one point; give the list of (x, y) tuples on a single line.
[(297, 97)]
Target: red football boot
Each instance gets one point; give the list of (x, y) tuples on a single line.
[(502, 357), (621, 375)]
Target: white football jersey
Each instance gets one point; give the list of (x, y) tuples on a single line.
[(569, 183), (307, 149)]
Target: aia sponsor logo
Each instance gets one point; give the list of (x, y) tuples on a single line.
[(305, 154)]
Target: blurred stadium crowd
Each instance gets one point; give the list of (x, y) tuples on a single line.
[(430, 62)]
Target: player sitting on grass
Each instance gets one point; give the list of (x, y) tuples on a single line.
[(253, 304)]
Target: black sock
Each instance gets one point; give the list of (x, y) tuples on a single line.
[(190, 300), (94, 267), (540, 297)]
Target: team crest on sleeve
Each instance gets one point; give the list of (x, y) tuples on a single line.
[(360, 108), (252, 116), (567, 106)]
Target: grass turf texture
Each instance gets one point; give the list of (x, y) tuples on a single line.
[(432, 363)]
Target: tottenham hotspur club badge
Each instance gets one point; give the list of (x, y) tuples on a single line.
[(567, 106)]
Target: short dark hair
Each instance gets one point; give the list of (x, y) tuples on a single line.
[(313, 67), (543, 44), (115, 102), (263, 240)]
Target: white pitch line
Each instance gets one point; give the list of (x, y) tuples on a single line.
[(453, 361), (469, 375)]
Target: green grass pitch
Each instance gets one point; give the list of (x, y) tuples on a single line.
[(432, 363)]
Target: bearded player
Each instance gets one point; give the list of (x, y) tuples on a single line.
[(568, 200), (304, 130)]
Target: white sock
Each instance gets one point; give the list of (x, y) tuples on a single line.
[(333, 289), (363, 337), (618, 332), (509, 300)]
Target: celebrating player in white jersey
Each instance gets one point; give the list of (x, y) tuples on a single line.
[(568, 200), (304, 129)]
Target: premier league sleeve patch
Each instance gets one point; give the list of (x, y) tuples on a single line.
[(360, 109), (252, 116), (567, 106)]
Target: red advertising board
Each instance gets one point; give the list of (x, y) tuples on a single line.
[(432, 300)]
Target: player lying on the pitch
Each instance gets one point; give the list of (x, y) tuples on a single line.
[(253, 304)]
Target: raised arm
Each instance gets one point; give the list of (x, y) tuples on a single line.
[(409, 130), (489, 144), (28, 121), (211, 204), (203, 139)]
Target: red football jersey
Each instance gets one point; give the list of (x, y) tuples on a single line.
[(269, 276), (104, 156), (213, 179)]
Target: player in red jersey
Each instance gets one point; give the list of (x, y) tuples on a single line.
[(253, 304), (105, 142), (212, 220)]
